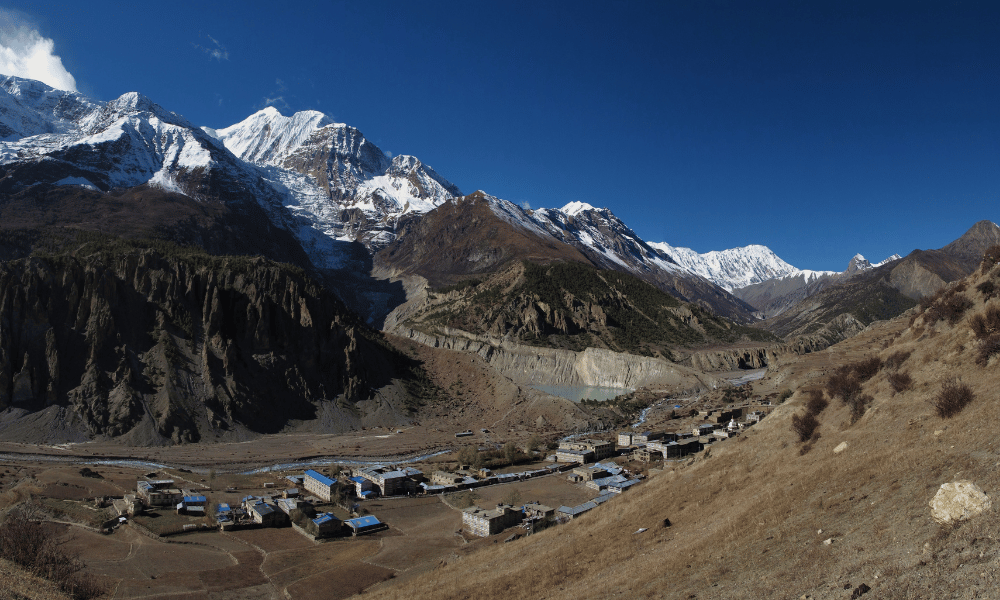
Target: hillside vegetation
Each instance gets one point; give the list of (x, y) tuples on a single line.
[(574, 306), (782, 512)]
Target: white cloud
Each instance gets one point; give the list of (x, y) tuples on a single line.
[(525, 205), (25, 53), (277, 102), (218, 52), (387, 153)]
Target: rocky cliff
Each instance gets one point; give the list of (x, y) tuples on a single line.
[(550, 366), (170, 345)]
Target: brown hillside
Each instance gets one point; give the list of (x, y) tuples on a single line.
[(462, 238), (765, 516)]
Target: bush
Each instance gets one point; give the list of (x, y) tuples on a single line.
[(951, 307), (866, 369), (987, 348), (843, 384), (805, 425), (990, 258), (952, 398), (816, 403), (859, 404), (784, 395), (900, 381), (986, 323), (987, 288), (896, 359)]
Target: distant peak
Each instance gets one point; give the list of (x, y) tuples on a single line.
[(575, 208), (131, 101), (270, 111)]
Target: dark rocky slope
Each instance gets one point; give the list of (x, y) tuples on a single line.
[(172, 345)]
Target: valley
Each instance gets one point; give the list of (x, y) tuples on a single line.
[(193, 318)]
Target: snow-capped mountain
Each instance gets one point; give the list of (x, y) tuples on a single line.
[(860, 263), (733, 268), (335, 175), (29, 107), (323, 183), (599, 232)]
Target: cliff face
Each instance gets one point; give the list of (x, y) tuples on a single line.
[(160, 348), (550, 366)]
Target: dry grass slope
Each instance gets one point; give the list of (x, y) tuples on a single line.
[(758, 520)]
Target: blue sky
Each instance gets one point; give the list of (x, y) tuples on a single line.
[(819, 129)]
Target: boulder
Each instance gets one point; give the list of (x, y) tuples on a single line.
[(958, 501)]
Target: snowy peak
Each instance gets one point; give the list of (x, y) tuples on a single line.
[(574, 208), (860, 263), (29, 107), (132, 107), (733, 268), (267, 137)]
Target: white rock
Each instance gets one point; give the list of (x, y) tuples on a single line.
[(958, 501), (840, 448)]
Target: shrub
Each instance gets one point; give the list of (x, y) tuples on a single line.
[(953, 397), (843, 384), (900, 381), (987, 288), (816, 403), (784, 395), (859, 404), (987, 348), (805, 425), (990, 257), (951, 307), (896, 359), (986, 323), (868, 368)]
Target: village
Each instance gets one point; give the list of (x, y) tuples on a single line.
[(324, 506)]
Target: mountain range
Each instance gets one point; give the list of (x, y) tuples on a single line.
[(380, 234)]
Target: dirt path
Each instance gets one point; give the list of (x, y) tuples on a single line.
[(276, 593)]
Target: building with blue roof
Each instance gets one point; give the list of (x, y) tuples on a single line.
[(365, 524), (319, 484), (327, 524)]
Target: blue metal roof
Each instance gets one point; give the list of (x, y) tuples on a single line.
[(194, 499), (325, 518), (357, 479), (263, 509), (320, 478), (223, 507), (365, 521)]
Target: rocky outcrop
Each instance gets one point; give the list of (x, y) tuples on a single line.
[(733, 359), (172, 348), (548, 366)]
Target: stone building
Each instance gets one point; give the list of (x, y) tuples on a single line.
[(482, 522)]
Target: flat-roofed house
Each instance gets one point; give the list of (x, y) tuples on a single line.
[(158, 492), (483, 522), (393, 482), (263, 513)]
